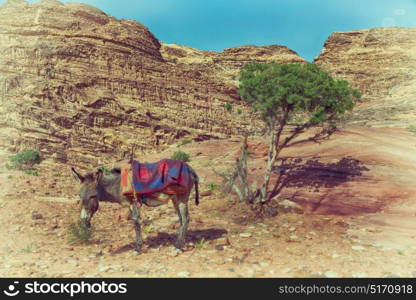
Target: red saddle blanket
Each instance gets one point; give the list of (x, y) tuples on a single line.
[(168, 176)]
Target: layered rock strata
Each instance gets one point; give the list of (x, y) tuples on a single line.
[(84, 87)]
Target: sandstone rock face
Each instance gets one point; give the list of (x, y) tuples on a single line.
[(84, 87), (381, 62), (227, 64)]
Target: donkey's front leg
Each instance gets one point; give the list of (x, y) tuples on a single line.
[(135, 214), (182, 210)]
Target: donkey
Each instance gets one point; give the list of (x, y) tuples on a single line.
[(98, 186)]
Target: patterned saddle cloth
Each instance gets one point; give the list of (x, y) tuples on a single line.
[(167, 176)]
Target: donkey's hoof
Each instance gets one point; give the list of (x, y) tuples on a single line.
[(179, 245), (138, 250)]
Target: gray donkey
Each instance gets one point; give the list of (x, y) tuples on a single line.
[(98, 186)]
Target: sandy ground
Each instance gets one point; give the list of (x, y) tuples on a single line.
[(223, 241)]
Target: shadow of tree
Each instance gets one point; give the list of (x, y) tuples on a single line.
[(313, 174), (165, 239)]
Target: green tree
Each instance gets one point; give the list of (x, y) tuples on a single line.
[(301, 96)]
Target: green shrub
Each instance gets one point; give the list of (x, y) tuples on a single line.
[(148, 229), (239, 111), (30, 248), (212, 186), (78, 233), (25, 160), (180, 155), (200, 244), (32, 172), (412, 128), (228, 107)]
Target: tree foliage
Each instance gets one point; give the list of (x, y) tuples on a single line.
[(302, 96), (285, 90)]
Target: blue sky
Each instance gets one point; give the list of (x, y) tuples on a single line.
[(302, 25)]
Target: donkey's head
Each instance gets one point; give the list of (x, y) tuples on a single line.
[(89, 194)]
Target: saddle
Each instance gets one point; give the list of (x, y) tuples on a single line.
[(155, 180)]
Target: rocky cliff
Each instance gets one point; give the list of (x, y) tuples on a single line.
[(227, 64), (381, 62), (84, 87)]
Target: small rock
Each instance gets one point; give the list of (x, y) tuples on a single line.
[(290, 207), (183, 274), (357, 248), (330, 274), (72, 262), (224, 241), (270, 211), (174, 219), (37, 216), (15, 229), (116, 267), (219, 247), (292, 229), (205, 193), (103, 268), (245, 234), (372, 230), (175, 252), (359, 275), (264, 264), (392, 275), (293, 238), (287, 270), (250, 273)]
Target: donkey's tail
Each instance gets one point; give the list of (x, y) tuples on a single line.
[(196, 183), (195, 180), (196, 190)]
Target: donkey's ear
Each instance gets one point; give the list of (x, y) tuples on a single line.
[(98, 175), (77, 176)]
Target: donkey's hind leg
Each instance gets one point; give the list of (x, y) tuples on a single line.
[(135, 214), (181, 207)]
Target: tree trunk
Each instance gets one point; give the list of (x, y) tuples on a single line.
[(271, 158)]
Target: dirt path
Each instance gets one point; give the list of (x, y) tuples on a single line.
[(222, 241)]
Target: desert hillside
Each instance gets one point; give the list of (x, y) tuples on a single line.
[(381, 62), (84, 87)]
